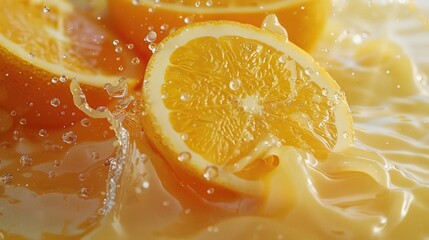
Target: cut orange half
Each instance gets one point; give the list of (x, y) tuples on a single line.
[(147, 22), (219, 95), (43, 45)]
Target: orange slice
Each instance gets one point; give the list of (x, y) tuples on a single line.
[(43, 45), (147, 22), (218, 95)]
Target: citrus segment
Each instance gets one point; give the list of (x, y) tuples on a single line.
[(223, 93), (147, 22), (44, 45)]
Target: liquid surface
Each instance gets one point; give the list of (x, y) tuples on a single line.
[(377, 189)]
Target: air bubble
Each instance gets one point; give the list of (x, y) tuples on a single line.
[(55, 102), (197, 4), (54, 80), (184, 157), (152, 47), (118, 49), (69, 137), (151, 37), (26, 161), (115, 42), (130, 46), (210, 173), (235, 85), (209, 3), (85, 122), (146, 185), (7, 178), (185, 97)]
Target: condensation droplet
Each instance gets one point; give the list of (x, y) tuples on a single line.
[(7, 178), (85, 122), (235, 84), (26, 161), (69, 137), (55, 102), (210, 173), (185, 97), (184, 157)]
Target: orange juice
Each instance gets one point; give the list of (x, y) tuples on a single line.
[(87, 181)]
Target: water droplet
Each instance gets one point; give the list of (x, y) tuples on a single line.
[(146, 184), (31, 55), (308, 71), (57, 163), (151, 36), (188, 20), (118, 91), (210, 173), (210, 191), (118, 49), (26, 161), (130, 46), (283, 58), (22, 121), (135, 61), (164, 27), (85, 122), (46, 9), (197, 4), (209, 3), (136, 2), (7, 178), (54, 80), (115, 42), (184, 136), (43, 132), (346, 134), (235, 84), (185, 97), (95, 155), (84, 192), (55, 102), (152, 47), (184, 157), (325, 92), (69, 137), (63, 78), (51, 174)]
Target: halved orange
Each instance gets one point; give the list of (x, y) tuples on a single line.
[(43, 45), (147, 22), (218, 95)]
